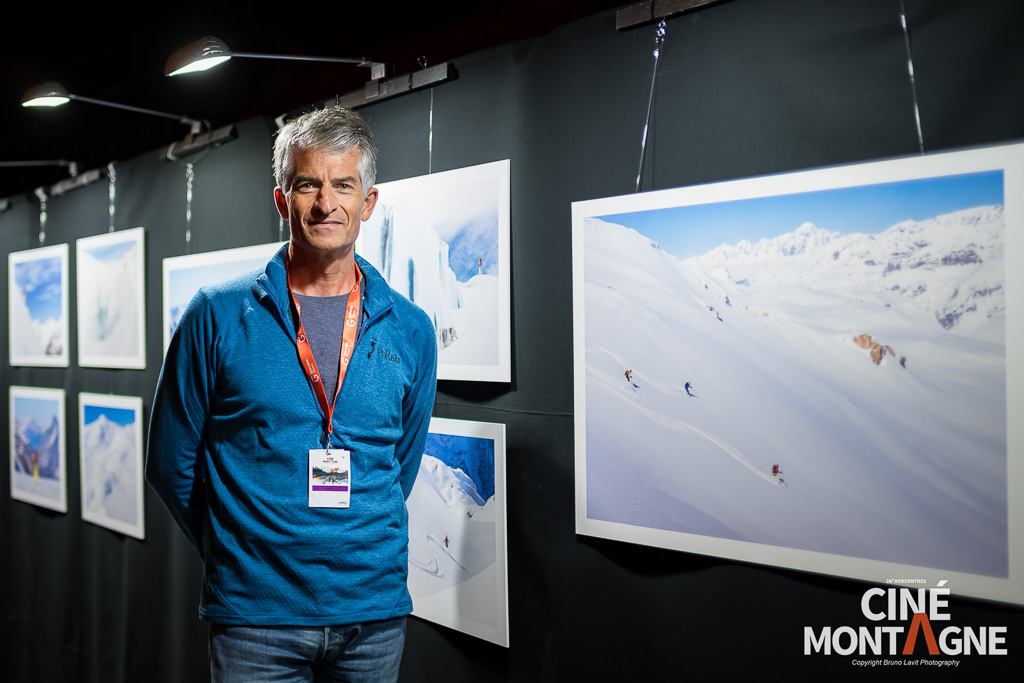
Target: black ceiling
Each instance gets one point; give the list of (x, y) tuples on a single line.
[(116, 51)]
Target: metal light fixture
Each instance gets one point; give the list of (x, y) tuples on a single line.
[(53, 94), (72, 166), (76, 179), (208, 52)]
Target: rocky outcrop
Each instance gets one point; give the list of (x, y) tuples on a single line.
[(876, 349)]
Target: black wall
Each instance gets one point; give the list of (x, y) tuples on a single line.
[(746, 88)]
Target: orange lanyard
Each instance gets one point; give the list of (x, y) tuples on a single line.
[(348, 343)]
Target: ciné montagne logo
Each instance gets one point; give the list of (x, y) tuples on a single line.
[(912, 624)]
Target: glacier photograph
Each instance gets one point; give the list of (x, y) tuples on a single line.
[(38, 473), (442, 241), (110, 435), (457, 530), (111, 300), (822, 371), (38, 300)]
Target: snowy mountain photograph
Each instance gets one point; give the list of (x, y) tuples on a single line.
[(110, 440), (38, 306), (457, 530), (183, 276), (38, 473), (815, 379), (442, 241), (111, 300)]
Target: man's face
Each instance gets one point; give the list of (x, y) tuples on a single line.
[(324, 201)]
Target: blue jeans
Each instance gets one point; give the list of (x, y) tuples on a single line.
[(359, 653)]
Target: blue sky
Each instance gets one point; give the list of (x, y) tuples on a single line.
[(111, 252), (42, 409), (119, 416), (687, 231), (40, 281), (463, 212), (473, 455), (185, 282)]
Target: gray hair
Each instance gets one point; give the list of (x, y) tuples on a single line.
[(332, 130)]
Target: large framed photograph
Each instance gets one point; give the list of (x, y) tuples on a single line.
[(810, 370), (442, 240), (110, 449), (38, 465), (38, 306), (457, 559), (183, 276), (111, 300)]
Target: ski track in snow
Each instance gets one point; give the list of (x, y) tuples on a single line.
[(595, 376), (433, 567)]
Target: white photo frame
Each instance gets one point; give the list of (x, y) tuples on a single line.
[(184, 275), (38, 306), (457, 556), (111, 467), (111, 274), (38, 463), (759, 353), (442, 241)]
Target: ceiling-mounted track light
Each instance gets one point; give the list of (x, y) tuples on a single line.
[(53, 94), (208, 52)]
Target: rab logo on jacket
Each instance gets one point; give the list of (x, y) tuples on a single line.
[(384, 353)]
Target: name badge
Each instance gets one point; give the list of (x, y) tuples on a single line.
[(330, 478)]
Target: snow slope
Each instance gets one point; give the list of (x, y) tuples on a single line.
[(900, 464), (110, 471)]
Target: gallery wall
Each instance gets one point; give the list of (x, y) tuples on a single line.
[(744, 88)]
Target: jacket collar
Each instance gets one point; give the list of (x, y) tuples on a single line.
[(377, 297)]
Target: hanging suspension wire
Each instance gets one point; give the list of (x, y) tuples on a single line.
[(910, 71), (659, 41), (189, 175), (42, 214), (112, 175)]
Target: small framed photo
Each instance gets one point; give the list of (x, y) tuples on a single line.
[(110, 449), (38, 306), (457, 558), (111, 300), (38, 465)]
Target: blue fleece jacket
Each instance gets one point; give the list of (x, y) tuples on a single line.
[(232, 423)]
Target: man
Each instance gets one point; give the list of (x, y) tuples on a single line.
[(292, 492)]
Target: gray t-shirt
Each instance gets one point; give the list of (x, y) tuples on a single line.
[(323, 318)]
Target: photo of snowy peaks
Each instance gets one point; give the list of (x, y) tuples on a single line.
[(442, 241), (111, 300), (38, 472), (457, 530), (38, 306), (804, 370), (110, 432)]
